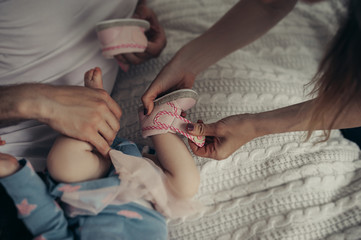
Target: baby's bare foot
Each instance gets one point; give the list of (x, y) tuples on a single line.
[(8, 165), (93, 78)]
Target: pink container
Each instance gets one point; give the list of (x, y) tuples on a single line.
[(118, 36)]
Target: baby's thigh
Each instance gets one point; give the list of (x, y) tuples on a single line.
[(72, 160)]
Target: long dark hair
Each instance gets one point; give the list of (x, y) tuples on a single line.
[(338, 79)]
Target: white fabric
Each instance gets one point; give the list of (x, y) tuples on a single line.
[(51, 41), (276, 186)]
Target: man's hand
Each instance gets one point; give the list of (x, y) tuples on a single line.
[(83, 113), (155, 35)]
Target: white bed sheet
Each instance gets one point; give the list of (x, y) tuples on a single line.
[(276, 186)]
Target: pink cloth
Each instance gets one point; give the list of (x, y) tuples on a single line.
[(140, 179)]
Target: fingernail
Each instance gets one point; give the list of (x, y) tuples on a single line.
[(190, 127), (145, 111)]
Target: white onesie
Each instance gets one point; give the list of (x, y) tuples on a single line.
[(54, 42)]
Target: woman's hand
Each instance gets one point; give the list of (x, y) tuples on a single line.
[(83, 113), (172, 77), (232, 32), (156, 38), (223, 137)]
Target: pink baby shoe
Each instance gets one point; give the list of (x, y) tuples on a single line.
[(122, 36), (166, 115)]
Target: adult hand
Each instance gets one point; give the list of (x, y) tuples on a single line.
[(172, 77), (223, 137), (87, 114), (155, 35), (83, 113)]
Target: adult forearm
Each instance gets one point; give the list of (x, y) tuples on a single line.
[(242, 24), (296, 118), (19, 102), (87, 114)]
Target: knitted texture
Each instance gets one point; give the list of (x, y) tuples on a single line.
[(277, 186)]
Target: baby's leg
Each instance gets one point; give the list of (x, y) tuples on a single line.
[(178, 164), (72, 160)]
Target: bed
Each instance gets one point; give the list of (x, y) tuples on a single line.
[(277, 186)]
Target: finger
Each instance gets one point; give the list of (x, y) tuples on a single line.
[(131, 58), (111, 104), (143, 55), (155, 35), (120, 58), (157, 42), (107, 132), (100, 144), (148, 99), (125, 67), (115, 108), (201, 129), (113, 122), (207, 151)]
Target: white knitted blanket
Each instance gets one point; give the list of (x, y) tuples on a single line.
[(276, 186)]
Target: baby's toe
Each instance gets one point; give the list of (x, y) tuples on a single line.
[(93, 78)]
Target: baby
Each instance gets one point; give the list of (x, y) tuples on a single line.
[(124, 195)]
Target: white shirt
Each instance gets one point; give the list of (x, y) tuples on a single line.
[(54, 42)]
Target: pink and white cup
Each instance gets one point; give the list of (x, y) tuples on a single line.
[(118, 36)]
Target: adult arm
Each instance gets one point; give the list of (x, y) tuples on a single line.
[(242, 24), (86, 114), (227, 135)]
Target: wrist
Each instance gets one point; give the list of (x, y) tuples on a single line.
[(195, 56), (242, 126), (261, 125), (253, 125), (287, 119), (31, 101)]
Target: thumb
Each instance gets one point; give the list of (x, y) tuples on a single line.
[(201, 129), (148, 100)]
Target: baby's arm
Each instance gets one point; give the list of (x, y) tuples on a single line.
[(178, 164), (36, 208), (71, 160)]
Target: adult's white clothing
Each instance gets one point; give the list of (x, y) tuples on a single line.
[(52, 42)]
